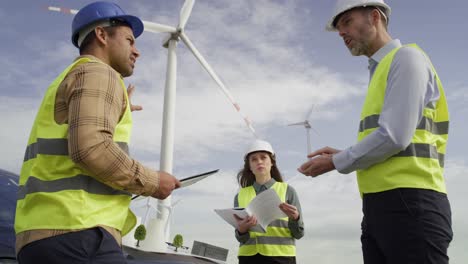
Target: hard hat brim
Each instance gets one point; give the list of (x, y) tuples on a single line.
[(134, 22), (266, 151), (330, 24)]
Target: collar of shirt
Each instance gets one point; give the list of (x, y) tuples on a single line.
[(261, 187), (380, 54), (89, 57)]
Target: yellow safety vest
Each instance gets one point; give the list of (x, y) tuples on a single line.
[(54, 192), (277, 241), (421, 164)]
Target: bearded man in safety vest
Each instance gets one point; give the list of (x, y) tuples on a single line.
[(77, 177), (399, 157)]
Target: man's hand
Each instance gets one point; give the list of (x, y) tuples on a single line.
[(320, 162), (244, 224), (130, 90), (290, 210), (167, 183)]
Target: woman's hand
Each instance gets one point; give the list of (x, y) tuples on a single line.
[(244, 224), (290, 210)]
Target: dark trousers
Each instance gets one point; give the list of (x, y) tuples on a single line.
[(406, 226), (260, 259), (94, 245)]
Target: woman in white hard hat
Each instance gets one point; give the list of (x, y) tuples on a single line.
[(277, 245)]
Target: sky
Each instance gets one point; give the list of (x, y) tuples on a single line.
[(278, 62)]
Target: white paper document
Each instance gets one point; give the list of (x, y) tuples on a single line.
[(265, 207)]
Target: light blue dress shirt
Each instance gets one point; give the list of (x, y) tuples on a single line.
[(411, 85)]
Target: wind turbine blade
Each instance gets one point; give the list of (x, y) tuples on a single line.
[(215, 77), (158, 28), (316, 132), (149, 26), (62, 10), (297, 124), (145, 218), (185, 12), (292, 178), (310, 112)]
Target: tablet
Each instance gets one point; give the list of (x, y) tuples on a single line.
[(193, 179)]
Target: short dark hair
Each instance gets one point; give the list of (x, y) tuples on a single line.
[(114, 23)]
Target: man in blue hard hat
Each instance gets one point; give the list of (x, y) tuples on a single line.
[(77, 177)]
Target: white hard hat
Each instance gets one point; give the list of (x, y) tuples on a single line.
[(342, 6), (259, 145)]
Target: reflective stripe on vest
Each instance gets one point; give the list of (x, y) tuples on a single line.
[(54, 192), (421, 164), (55, 146), (277, 241), (269, 240)]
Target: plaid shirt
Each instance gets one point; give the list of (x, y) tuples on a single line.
[(91, 101)]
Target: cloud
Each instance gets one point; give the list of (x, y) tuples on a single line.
[(249, 45), (17, 116), (457, 97)]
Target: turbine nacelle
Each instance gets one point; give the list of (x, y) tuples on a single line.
[(305, 123), (173, 36), (174, 32)]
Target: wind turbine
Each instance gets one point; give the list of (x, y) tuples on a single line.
[(167, 140), (149, 206), (307, 126), (176, 34), (153, 227)]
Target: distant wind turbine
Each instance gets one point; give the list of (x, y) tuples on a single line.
[(154, 228), (307, 126), (149, 206)]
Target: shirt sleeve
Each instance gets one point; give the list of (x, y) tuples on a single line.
[(96, 102), (242, 238), (411, 85), (296, 226)]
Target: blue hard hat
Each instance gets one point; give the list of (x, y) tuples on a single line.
[(98, 11)]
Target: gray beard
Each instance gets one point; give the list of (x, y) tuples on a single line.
[(358, 50)]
